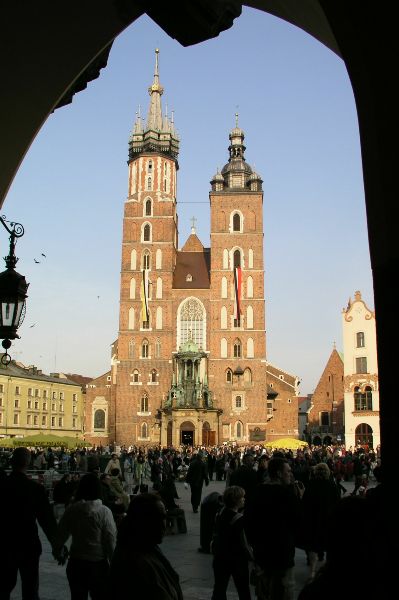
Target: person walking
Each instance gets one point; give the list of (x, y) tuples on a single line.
[(197, 474), (93, 531), (230, 547), (23, 504)]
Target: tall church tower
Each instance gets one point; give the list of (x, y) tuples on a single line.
[(143, 371), (238, 353)]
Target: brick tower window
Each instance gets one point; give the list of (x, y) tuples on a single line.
[(237, 349), (237, 258), (144, 405), (153, 376), (145, 349), (148, 207), (147, 233), (229, 376), (236, 222), (146, 260)]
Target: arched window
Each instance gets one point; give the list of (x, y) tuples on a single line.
[(237, 259), (224, 287), (144, 403), (223, 348), (223, 318), (99, 419), (250, 287), (192, 322), (159, 288), (148, 207), (247, 376), (236, 222), (146, 233), (133, 260), (149, 166), (153, 376), (158, 259), (250, 317), (131, 349), (144, 431), (158, 348), (132, 288), (239, 430), (229, 376), (131, 318), (237, 349), (158, 320), (250, 348), (146, 260), (250, 259), (145, 349), (238, 401), (149, 183), (136, 376), (225, 259)]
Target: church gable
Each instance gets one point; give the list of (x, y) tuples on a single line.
[(192, 270)]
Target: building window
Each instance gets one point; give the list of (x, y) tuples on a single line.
[(361, 364), (145, 324), (60, 421), (149, 183), (153, 376), (158, 348), (52, 421), (1, 401), (289, 400), (30, 392), (269, 409), (74, 409), (54, 396), (237, 258), (146, 260), (99, 419), (148, 207), (363, 400), (248, 376), (16, 403), (1, 388), (144, 405), (53, 406), (74, 422), (45, 394), (29, 403), (229, 376), (135, 376), (145, 349), (17, 390), (147, 233), (238, 402), (44, 420), (36, 405), (236, 222), (144, 431), (192, 322), (29, 420), (61, 408), (37, 393), (239, 430), (360, 339), (16, 419), (237, 349), (74, 397), (61, 395), (325, 419)]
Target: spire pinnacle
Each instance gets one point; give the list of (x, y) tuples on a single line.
[(236, 119), (154, 119)]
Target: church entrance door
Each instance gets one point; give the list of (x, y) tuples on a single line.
[(187, 433)]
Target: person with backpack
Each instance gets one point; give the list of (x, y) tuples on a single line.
[(230, 547)]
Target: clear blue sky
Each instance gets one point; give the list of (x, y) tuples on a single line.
[(297, 110)]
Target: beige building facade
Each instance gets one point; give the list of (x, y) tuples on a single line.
[(32, 403), (361, 387)]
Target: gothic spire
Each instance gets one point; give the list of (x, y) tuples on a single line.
[(154, 119)]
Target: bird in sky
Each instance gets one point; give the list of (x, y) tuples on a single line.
[(32, 325), (43, 255), (36, 261)]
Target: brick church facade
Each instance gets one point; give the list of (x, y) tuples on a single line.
[(189, 365)]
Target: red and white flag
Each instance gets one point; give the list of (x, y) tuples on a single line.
[(237, 293)]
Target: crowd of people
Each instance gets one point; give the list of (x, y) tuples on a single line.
[(111, 509)]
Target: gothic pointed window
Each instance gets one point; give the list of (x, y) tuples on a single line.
[(237, 349), (237, 258), (153, 376), (229, 376), (144, 403), (239, 430), (147, 233), (144, 431), (192, 322), (236, 222), (136, 376), (149, 183), (146, 260), (158, 348), (145, 349), (99, 419), (148, 207)]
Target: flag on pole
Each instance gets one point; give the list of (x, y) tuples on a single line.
[(237, 293), (145, 313)]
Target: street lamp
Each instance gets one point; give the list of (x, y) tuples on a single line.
[(13, 288)]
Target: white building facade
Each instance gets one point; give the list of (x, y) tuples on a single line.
[(361, 389)]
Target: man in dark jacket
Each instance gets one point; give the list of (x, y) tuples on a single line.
[(23, 502), (196, 475), (245, 476)]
